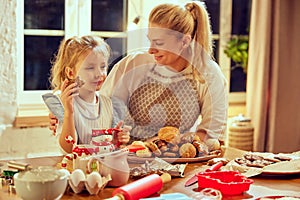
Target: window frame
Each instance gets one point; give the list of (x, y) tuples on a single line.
[(224, 36)]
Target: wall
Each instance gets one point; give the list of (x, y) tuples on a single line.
[(14, 142), (7, 62), (27, 143)]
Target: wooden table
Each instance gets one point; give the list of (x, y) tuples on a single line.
[(262, 186)]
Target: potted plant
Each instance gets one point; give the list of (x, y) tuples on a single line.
[(237, 50)]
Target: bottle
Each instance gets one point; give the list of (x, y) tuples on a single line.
[(141, 188)]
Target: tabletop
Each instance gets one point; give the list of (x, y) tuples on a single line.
[(267, 185)]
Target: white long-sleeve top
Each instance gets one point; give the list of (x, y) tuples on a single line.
[(148, 96)]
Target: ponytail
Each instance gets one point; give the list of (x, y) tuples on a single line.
[(202, 33)]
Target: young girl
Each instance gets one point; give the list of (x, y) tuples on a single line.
[(85, 57)]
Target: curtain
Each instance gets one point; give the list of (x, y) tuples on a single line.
[(273, 85)]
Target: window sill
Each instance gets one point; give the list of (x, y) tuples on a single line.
[(37, 115), (32, 116)]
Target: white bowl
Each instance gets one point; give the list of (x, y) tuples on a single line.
[(43, 183)]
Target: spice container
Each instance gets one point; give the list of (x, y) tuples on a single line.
[(240, 134)]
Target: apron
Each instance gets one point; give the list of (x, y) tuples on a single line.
[(162, 101)]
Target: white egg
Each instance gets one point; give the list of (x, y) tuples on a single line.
[(94, 179), (65, 171), (77, 176)]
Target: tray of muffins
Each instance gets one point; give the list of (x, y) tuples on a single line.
[(170, 146)]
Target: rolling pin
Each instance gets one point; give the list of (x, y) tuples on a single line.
[(141, 188)]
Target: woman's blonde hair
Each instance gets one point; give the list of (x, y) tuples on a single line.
[(191, 19), (71, 53)]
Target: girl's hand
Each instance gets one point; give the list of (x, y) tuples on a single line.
[(68, 91), (124, 135)]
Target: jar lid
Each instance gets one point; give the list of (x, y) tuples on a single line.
[(241, 118)]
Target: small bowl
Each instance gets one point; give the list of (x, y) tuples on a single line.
[(227, 182), (43, 183)]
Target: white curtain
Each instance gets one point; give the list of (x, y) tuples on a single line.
[(273, 82)]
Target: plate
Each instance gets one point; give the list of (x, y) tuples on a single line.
[(132, 158), (283, 168), (279, 197), (280, 173)]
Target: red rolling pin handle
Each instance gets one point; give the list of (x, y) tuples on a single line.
[(141, 188), (215, 167)]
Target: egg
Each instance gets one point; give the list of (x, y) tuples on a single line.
[(94, 179), (65, 171), (77, 176)]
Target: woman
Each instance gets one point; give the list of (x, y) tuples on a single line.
[(176, 82)]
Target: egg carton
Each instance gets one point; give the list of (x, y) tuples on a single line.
[(93, 182)]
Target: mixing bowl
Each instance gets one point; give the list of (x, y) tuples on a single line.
[(42, 183)]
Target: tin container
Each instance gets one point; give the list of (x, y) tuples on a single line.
[(240, 134)]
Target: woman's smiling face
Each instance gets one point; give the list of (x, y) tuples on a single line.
[(165, 46)]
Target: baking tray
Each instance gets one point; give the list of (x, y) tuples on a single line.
[(132, 158)]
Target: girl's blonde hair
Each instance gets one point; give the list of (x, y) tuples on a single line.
[(71, 53), (191, 19)]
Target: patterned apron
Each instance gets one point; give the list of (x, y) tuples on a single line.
[(163, 101)]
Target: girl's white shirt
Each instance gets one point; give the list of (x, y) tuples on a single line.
[(91, 115)]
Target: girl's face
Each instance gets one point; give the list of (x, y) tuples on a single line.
[(93, 71), (165, 47)]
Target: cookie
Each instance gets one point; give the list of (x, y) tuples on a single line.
[(201, 148), (187, 138), (153, 148), (145, 153), (282, 158), (137, 142), (169, 154), (79, 81), (169, 134), (173, 148), (187, 150)]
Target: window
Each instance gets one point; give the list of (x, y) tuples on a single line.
[(47, 22), (230, 18)]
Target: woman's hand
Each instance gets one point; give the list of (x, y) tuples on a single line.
[(53, 123)]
